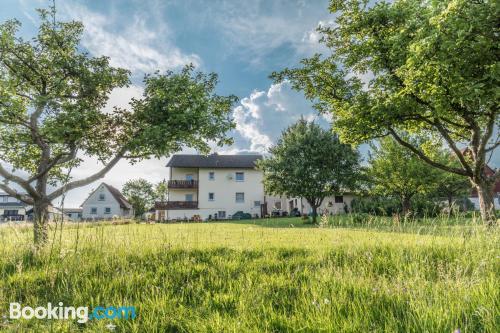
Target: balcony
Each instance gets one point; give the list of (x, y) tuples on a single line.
[(176, 205), (182, 184)]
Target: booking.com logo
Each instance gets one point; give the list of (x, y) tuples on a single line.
[(61, 312)]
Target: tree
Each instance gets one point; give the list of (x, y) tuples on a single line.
[(396, 171), (411, 66), (51, 114), (140, 194), (161, 191), (309, 162), (450, 185)]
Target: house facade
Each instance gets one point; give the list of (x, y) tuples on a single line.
[(332, 205), (212, 187), (106, 202), (12, 209)]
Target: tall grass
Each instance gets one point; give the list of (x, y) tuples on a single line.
[(272, 275)]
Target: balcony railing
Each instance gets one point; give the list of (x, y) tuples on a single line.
[(176, 205), (182, 184)]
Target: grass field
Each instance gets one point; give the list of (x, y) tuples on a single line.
[(274, 275)]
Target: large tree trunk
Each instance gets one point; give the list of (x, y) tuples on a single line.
[(486, 203), (40, 223), (405, 205)]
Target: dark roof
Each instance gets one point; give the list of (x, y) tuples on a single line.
[(118, 196), (213, 161), (12, 204), (69, 210)]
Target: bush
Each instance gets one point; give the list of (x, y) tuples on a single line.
[(389, 206)]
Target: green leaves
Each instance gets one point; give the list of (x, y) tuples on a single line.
[(309, 162), (180, 109), (427, 66), (52, 97)]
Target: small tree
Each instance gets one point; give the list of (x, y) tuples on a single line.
[(426, 66), (309, 162), (396, 171), (161, 191), (52, 97), (140, 194)]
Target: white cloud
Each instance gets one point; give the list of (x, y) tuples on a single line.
[(261, 117), (136, 47)]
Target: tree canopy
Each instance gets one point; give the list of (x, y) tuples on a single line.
[(396, 171), (309, 162), (52, 99), (140, 193), (411, 66)]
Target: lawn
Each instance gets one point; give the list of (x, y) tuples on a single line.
[(270, 275)]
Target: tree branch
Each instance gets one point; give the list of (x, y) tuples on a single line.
[(82, 182), (15, 194), (424, 157), (18, 180)]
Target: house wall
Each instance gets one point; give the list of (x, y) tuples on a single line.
[(180, 173), (475, 201), (224, 187), (109, 201), (328, 206)]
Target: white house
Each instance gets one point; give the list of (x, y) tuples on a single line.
[(106, 202), (214, 186), (218, 186), (12, 209), (337, 204)]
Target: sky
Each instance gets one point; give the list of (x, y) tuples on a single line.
[(242, 41)]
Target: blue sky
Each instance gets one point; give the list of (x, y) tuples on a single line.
[(242, 41)]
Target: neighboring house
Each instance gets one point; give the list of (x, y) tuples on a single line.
[(74, 214), (331, 205), (496, 191), (55, 214), (213, 186), (106, 202), (12, 209)]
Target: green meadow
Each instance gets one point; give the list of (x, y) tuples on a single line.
[(272, 275)]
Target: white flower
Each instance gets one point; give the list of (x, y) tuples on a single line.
[(111, 327), (326, 300)]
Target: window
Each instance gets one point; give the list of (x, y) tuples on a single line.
[(5, 199), (277, 205), (339, 199), (211, 196), (189, 197), (102, 197), (221, 214), (256, 203), (211, 175), (240, 197), (93, 210), (240, 176), (10, 212), (189, 177), (107, 210)]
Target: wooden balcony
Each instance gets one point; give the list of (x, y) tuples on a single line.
[(176, 205), (182, 184)]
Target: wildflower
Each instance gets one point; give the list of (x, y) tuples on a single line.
[(457, 330), (327, 301), (111, 327)]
